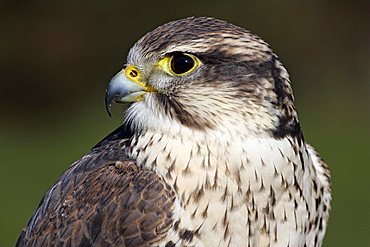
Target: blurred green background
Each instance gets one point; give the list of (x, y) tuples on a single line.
[(57, 58)]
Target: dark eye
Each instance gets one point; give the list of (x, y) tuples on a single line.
[(182, 63)]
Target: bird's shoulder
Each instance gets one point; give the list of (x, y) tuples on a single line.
[(103, 199)]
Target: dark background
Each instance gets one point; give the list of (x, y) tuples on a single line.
[(57, 58)]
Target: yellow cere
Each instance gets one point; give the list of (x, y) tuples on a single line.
[(134, 75), (165, 64)]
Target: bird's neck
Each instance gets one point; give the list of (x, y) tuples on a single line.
[(186, 153)]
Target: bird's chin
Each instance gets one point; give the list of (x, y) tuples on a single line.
[(133, 97)]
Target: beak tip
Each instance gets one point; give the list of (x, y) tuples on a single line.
[(118, 88), (108, 105), (109, 112)]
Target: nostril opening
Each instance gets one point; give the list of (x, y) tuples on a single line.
[(133, 73)]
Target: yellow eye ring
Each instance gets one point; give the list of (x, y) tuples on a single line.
[(179, 64)]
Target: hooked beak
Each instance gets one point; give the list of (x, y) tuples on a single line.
[(120, 90)]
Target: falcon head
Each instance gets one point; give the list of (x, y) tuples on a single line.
[(205, 74)]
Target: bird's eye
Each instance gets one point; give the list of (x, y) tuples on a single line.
[(178, 63), (182, 63)]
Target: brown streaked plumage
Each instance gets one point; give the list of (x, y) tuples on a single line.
[(211, 153), (103, 200)]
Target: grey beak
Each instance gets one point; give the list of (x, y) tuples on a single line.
[(119, 90)]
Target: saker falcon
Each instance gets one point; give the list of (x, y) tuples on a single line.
[(210, 153)]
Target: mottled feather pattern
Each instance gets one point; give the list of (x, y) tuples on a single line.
[(233, 186), (215, 157), (110, 203)]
